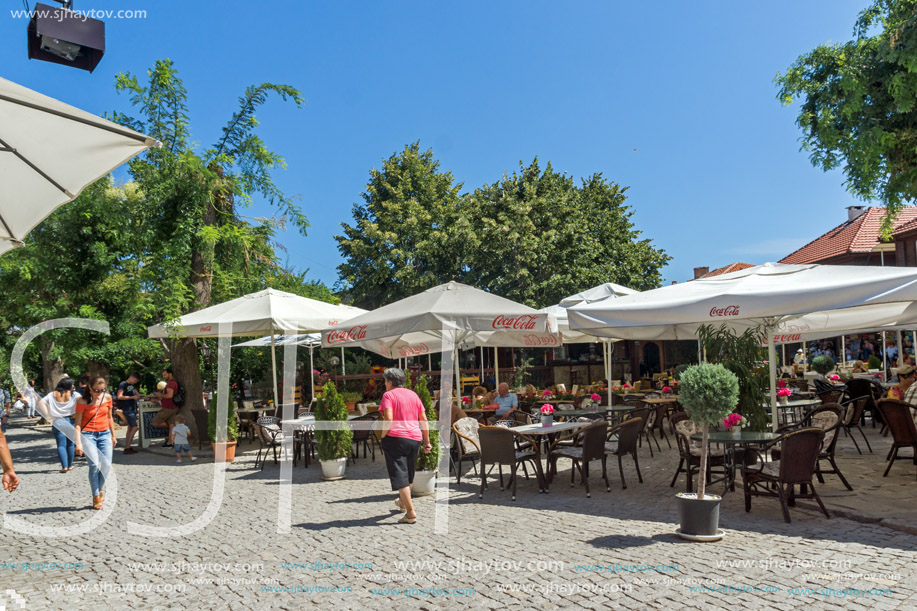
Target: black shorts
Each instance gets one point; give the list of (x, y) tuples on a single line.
[(400, 458)]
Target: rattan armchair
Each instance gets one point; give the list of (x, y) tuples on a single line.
[(592, 448), (829, 418), (622, 440), (498, 448), (899, 418), (796, 467), (467, 446)]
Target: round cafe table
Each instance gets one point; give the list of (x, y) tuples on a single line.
[(731, 441)]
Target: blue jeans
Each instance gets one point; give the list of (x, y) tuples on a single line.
[(65, 446), (97, 447)]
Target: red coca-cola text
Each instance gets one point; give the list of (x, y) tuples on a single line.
[(523, 322)]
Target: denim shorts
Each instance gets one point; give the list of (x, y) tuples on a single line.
[(182, 447), (131, 414)]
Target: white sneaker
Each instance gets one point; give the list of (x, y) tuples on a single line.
[(179, 460), (194, 458)]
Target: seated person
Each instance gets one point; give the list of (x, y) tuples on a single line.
[(479, 396), (859, 367), (506, 401), (530, 392), (457, 412), (906, 390)]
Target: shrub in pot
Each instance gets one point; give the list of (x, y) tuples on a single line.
[(333, 446), (351, 399), (823, 364), (874, 362), (708, 393), (427, 464), (231, 437)]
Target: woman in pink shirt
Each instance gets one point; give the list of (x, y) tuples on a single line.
[(402, 412)]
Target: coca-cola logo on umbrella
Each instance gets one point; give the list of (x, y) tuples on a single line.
[(540, 340), (350, 335), (206, 329), (522, 322), (732, 310), (787, 338), (405, 351)]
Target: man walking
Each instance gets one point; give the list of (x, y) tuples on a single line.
[(127, 397)]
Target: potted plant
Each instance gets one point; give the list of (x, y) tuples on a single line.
[(231, 437), (823, 365), (874, 363), (351, 399), (333, 445), (734, 423), (427, 464), (783, 394), (547, 414), (708, 393)]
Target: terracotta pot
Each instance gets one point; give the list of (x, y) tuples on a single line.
[(230, 451)]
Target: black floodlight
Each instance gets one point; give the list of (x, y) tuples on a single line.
[(61, 36)]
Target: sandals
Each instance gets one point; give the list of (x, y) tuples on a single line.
[(399, 504), (407, 520), (97, 502)]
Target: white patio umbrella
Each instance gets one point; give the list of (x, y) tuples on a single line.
[(609, 290), (268, 311), (49, 152), (310, 340), (420, 324), (787, 301)]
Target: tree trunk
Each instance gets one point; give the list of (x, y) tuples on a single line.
[(52, 369), (187, 370)]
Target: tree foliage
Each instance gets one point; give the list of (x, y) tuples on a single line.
[(858, 106), (742, 355), (534, 237), (332, 443)]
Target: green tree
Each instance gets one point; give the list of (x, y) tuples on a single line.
[(534, 237), (198, 249), (81, 261), (858, 106), (743, 356), (542, 238), (406, 235)]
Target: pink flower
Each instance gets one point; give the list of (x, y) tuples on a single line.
[(546, 393), (466, 399), (547, 409), (784, 392), (835, 377), (666, 389), (596, 397), (781, 383), (626, 386)]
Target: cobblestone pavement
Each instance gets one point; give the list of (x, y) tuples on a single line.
[(614, 550)]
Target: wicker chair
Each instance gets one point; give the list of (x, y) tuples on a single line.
[(643, 411), (622, 440), (689, 452), (468, 446), (828, 418), (592, 448), (799, 385), (365, 436), (899, 418), (865, 387), (498, 447), (796, 467), (853, 415), (830, 396), (661, 412), (270, 437)]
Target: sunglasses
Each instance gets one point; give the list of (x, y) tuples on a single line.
[(98, 390)]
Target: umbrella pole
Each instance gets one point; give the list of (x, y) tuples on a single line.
[(843, 358), (884, 359), (772, 366), (899, 348), (343, 363), (783, 350), (429, 363), (496, 369), (274, 369), (608, 372), (458, 375), (312, 371)]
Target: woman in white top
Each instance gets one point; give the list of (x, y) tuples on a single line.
[(58, 408)]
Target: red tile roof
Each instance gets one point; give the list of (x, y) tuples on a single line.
[(909, 226), (732, 267), (860, 235)]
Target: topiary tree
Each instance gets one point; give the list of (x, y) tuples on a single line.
[(874, 362), (680, 369), (336, 443), (428, 462), (823, 364), (708, 393)]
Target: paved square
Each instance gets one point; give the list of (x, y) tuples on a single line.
[(615, 550)]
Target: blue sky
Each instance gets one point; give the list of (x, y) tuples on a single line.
[(673, 99)]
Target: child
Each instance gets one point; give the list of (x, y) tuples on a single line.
[(179, 438)]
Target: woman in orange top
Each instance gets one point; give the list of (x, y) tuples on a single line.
[(93, 420)]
